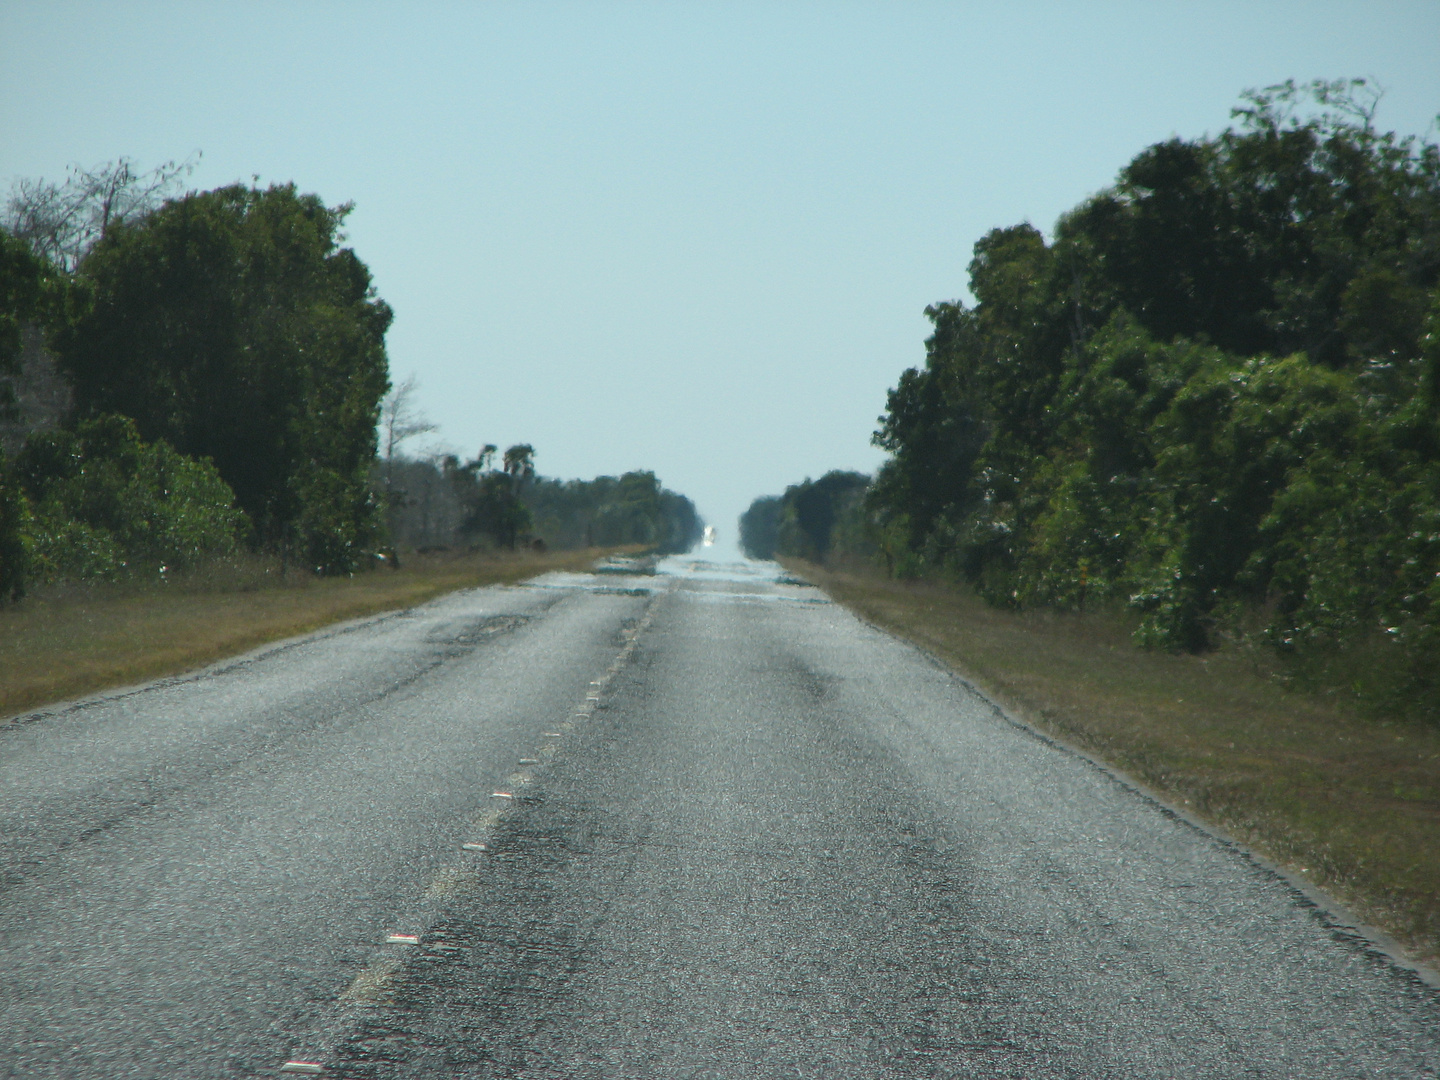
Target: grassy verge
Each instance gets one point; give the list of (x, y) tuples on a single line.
[(61, 643), (1351, 804)]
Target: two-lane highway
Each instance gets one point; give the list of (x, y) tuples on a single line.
[(697, 824)]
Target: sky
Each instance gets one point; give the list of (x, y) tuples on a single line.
[(692, 238)]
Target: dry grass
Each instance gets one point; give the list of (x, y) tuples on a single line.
[(62, 643), (1352, 804)]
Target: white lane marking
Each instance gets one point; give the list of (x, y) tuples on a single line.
[(370, 985)]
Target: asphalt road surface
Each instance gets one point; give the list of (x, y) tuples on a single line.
[(717, 827)]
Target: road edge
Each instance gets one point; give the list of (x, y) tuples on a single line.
[(1333, 915), (235, 660)]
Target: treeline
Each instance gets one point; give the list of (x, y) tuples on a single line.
[(1213, 394), (186, 375), (815, 520), (223, 357), (630, 509), (441, 502)]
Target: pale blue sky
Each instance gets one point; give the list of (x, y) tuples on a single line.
[(692, 238)]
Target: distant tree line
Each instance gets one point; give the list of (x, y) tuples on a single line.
[(186, 374), (441, 502), (1213, 395), (815, 519), (630, 509)]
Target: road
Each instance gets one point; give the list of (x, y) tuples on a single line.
[(717, 827)]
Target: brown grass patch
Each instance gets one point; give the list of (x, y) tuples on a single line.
[(65, 642), (1349, 803)]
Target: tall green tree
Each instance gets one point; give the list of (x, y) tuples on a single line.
[(814, 520), (493, 508), (234, 325), (1215, 389), (22, 287), (22, 282), (760, 527)]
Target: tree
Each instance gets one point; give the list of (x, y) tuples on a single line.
[(629, 509), (814, 519), (63, 222), (22, 283), (519, 465), (491, 497), (1291, 232), (1214, 390), (760, 527), (22, 279), (235, 326), (400, 421)]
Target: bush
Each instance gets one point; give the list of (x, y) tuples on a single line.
[(102, 502), (338, 524)]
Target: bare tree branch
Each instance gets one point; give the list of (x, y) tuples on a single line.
[(63, 221), (400, 419)]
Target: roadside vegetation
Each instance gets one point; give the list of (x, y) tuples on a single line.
[(201, 448), (1213, 395), (434, 500), (1171, 487)]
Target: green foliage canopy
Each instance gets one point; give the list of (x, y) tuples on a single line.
[(760, 527), (101, 501), (23, 281), (812, 520), (491, 497), (1214, 391), (630, 509), (234, 326), (23, 278)]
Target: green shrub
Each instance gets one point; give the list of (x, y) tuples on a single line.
[(104, 502), (338, 523)]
